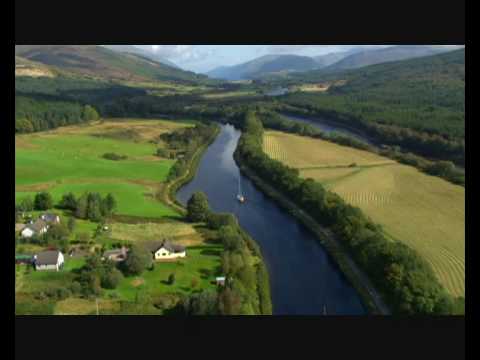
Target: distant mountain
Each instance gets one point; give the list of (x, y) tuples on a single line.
[(100, 62), (334, 57), (265, 65), (139, 51), (377, 56)]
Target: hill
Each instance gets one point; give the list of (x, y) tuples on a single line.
[(139, 51), (378, 56), (100, 62), (265, 65)]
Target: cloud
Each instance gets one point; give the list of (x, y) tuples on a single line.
[(179, 53)]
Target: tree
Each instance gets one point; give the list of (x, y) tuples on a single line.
[(94, 211), (110, 277), (202, 303), (81, 210), (68, 202), (89, 113), (137, 261), (71, 223), (26, 204), (109, 205), (43, 201), (197, 207)]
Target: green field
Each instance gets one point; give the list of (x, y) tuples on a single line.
[(70, 159), (425, 212)]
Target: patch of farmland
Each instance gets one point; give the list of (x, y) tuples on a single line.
[(71, 159), (300, 152), (425, 212), (182, 233)]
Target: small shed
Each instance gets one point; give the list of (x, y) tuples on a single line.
[(220, 280), (23, 259)]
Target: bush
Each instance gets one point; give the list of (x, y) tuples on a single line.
[(114, 156), (171, 279), (43, 201), (137, 261), (217, 220), (197, 207), (111, 278)]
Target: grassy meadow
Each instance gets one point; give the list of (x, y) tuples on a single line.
[(70, 159), (425, 212)]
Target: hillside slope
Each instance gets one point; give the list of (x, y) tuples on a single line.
[(139, 51), (264, 65), (417, 103), (100, 62), (378, 56)]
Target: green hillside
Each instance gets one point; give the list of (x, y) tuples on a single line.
[(100, 62)]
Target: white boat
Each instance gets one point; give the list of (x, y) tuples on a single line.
[(240, 197)]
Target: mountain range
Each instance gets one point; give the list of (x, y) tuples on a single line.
[(278, 65)]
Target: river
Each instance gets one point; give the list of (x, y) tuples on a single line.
[(328, 126), (303, 277)]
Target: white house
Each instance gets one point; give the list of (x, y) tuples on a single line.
[(167, 250), (49, 260), (50, 218), (37, 228)]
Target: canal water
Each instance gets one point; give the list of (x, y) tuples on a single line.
[(303, 278)]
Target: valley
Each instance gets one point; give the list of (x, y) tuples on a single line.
[(284, 185)]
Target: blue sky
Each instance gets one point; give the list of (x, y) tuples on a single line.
[(202, 58)]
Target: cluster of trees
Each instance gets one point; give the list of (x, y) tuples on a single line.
[(406, 280), (95, 275), (41, 112), (89, 206), (42, 201), (187, 140), (247, 289)]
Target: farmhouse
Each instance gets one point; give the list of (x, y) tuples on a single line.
[(48, 260), (50, 218), (19, 227), (167, 250), (37, 228), (116, 255)]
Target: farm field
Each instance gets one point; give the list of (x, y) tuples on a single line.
[(425, 212), (70, 159)]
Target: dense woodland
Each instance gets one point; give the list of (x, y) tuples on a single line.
[(418, 104), (406, 280)]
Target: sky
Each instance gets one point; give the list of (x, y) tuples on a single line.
[(202, 58)]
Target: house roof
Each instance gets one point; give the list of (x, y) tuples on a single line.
[(121, 251), (169, 246), (49, 217), (37, 225), (19, 227), (48, 257)]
